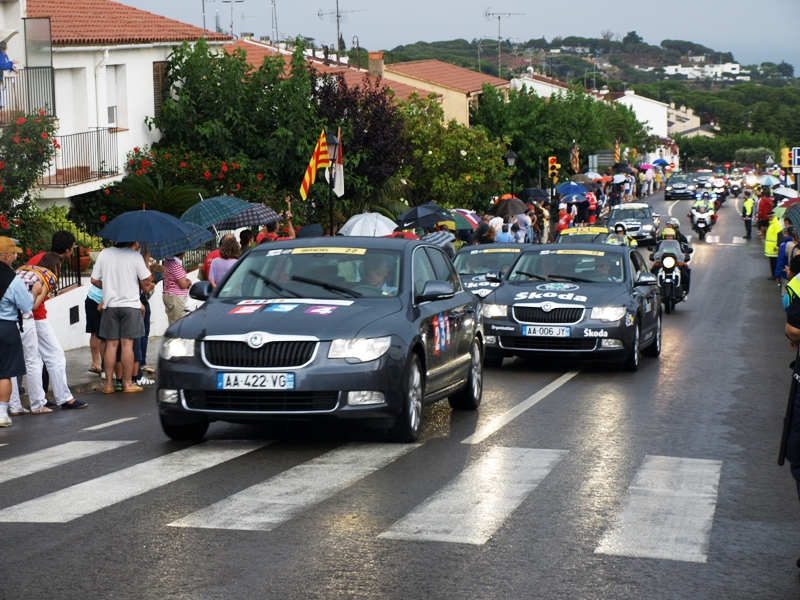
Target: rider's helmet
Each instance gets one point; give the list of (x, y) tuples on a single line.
[(674, 223), (747, 193), (669, 231), (707, 185), (620, 228)]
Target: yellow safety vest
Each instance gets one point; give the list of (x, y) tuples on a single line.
[(748, 207), (771, 242), (793, 288)]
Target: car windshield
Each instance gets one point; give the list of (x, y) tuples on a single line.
[(583, 235), (317, 272), (680, 179), (577, 266), (480, 261), (630, 212)]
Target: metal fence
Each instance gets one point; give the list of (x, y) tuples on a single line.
[(27, 91), (83, 157)]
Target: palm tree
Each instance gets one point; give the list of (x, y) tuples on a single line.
[(140, 191)]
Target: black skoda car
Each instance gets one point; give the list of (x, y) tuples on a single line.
[(586, 300), (641, 223), (349, 328)]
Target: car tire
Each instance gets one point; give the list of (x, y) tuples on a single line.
[(634, 358), (493, 361), (469, 397), (654, 349), (180, 429), (408, 424)]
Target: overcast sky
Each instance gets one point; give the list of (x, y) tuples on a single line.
[(754, 31)]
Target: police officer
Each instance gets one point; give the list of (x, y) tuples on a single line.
[(747, 213), (15, 299), (676, 225), (772, 242)]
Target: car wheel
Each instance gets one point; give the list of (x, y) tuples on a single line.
[(180, 429), (654, 349), (493, 361), (632, 362), (409, 422), (469, 397)]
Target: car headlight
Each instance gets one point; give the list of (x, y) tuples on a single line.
[(647, 227), (669, 262), (177, 348), (691, 188), (363, 349), (669, 188), (608, 313), (495, 311)]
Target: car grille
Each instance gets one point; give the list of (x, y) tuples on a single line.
[(556, 344), (261, 401), (632, 228), (273, 354), (534, 314)]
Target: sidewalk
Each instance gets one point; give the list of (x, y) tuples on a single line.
[(81, 380)]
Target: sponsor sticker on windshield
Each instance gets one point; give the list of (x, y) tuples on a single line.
[(309, 301), (320, 310), (578, 230), (329, 250), (581, 252), (493, 250), (245, 302), (281, 308), (247, 309)]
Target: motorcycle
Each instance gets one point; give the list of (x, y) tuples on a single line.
[(667, 263), (720, 189), (703, 219), (736, 188)]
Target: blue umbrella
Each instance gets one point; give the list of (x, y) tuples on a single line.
[(571, 188), (573, 198), (211, 211), (159, 231), (660, 161)]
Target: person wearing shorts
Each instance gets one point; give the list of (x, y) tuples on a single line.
[(122, 274), (93, 305)]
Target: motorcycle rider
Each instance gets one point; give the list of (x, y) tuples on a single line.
[(747, 213), (683, 262), (676, 225), (620, 237), (706, 202)]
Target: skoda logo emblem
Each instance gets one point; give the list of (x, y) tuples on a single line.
[(547, 306), (558, 287), (256, 340)]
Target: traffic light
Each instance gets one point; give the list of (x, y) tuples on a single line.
[(553, 167), (786, 157)]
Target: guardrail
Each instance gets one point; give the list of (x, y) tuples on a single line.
[(27, 91), (83, 157)]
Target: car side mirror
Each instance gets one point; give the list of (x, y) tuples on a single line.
[(646, 279), (652, 257), (201, 290), (494, 277), (436, 290)]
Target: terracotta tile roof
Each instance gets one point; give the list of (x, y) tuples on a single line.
[(442, 73), (354, 77), (96, 22)]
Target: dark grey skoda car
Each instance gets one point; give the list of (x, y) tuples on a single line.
[(345, 328)]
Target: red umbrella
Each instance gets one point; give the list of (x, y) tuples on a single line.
[(402, 234)]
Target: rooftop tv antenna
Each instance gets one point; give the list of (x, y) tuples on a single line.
[(337, 15), (274, 38), (488, 15)]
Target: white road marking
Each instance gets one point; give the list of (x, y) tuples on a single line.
[(266, 505), (712, 239), (3, 444), (473, 506), (20, 466), (508, 416), (739, 240), (109, 424), (738, 208), (668, 511), (670, 207), (93, 495)]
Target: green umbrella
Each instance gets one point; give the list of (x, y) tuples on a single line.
[(460, 220), (211, 211)]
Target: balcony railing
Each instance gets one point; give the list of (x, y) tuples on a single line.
[(83, 157), (28, 91)]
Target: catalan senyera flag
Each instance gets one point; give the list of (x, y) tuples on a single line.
[(319, 160), (616, 151)]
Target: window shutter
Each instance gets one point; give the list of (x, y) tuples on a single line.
[(111, 85), (159, 82)]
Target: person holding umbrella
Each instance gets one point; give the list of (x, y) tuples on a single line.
[(121, 273)]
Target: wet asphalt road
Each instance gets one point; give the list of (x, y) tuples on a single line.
[(717, 393)]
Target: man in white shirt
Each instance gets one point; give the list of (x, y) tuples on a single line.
[(121, 273)]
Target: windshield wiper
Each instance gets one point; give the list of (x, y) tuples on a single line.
[(531, 275), (568, 278), (328, 286), (274, 285)]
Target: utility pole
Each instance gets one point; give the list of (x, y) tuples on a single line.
[(489, 16), (274, 36), (231, 3), (337, 16)]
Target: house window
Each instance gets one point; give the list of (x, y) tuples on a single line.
[(159, 86), (111, 94)]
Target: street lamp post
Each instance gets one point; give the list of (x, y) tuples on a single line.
[(333, 154), (231, 2), (511, 160)]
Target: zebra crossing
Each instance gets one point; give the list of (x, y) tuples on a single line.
[(666, 512)]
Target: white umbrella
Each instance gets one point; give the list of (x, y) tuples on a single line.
[(787, 192), (619, 178), (368, 225), (593, 175)]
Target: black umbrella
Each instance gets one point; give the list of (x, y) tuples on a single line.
[(423, 216), (511, 206), (533, 194), (310, 231), (627, 170), (621, 165)]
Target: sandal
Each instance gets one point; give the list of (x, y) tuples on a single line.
[(94, 370), (109, 391), (42, 411), (133, 389), (22, 411)]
